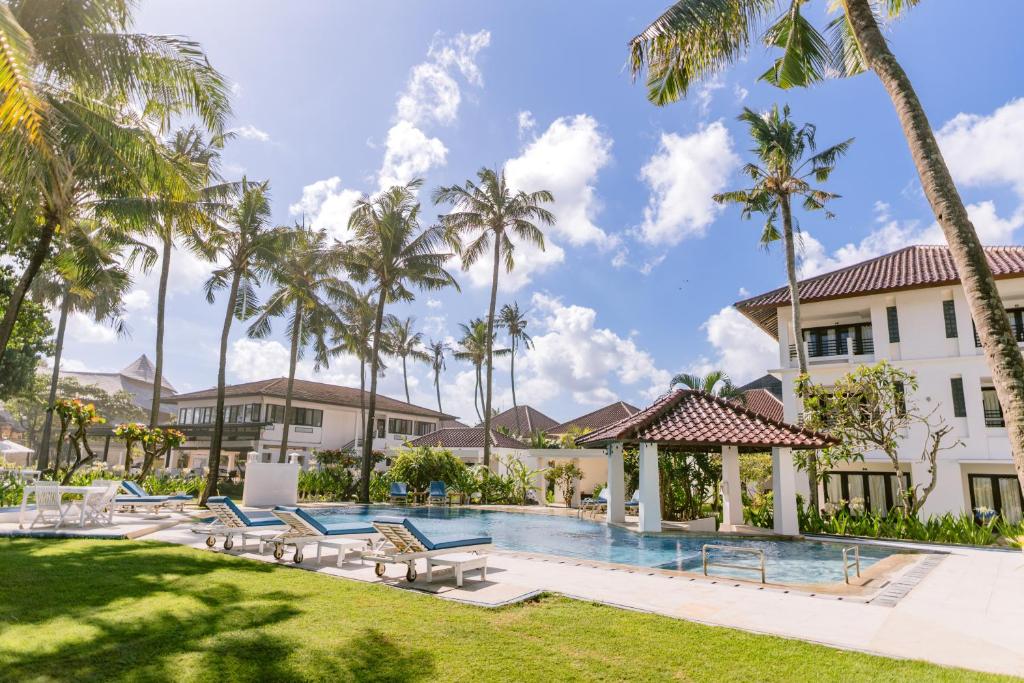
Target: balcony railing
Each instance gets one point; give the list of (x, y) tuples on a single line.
[(834, 347), (994, 418)]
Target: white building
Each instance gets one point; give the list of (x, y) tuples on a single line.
[(324, 416), (908, 308)]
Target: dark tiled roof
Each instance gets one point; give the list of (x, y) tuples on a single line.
[(448, 424), (304, 390), (763, 402), (913, 267), (690, 418), (772, 384), (597, 419), (530, 420), (465, 437)]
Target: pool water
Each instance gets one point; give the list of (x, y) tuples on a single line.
[(791, 562)]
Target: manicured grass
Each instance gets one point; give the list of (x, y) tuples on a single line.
[(93, 610)]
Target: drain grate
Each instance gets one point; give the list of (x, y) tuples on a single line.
[(897, 590)]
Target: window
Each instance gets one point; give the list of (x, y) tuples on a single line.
[(307, 417), (993, 411), (894, 324), (252, 412), (275, 413), (423, 428), (380, 428), (901, 398), (837, 341), (198, 416), (956, 385), (1016, 316), (397, 426), (183, 415), (875, 491), (997, 492), (949, 317)]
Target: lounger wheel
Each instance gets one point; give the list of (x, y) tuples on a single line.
[(379, 569), (210, 541), (228, 543), (410, 574), (278, 551), (297, 557)]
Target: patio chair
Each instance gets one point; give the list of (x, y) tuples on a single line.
[(138, 497), (594, 505), (633, 504), (399, 492), (48, 507), (303, 528), (230, 520), (409, 544), (98, 508), (438, 493)]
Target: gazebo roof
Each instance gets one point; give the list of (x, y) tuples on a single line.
[(691, 419)]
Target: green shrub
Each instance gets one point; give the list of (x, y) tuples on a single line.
[(332, 483), (961, 528), (420, 466)]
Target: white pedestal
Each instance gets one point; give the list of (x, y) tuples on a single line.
[(271, 483)]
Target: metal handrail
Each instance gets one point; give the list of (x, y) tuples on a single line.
[(847, 564), (736, 548)]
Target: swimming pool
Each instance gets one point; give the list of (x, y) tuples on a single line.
[(793, 562)]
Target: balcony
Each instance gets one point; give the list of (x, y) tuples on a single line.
[(835, 350)]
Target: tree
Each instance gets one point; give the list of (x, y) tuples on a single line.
[(715, 383), (473, 348), (355, 336), (28, 342), (566, 476), (695, 39), (72, 75), (391, 254), (305, 288), (404, 344), (491, 212), (872, 409), (514, 322), (247, 242), (436, 350)]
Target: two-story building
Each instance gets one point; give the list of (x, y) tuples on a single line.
[(908, 308), (324, 416)]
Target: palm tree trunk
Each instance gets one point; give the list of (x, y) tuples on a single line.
[(478, 394), (218, 416), (364, 493), (292, 362), (43, 460), (39, 254), (161, 310), (490, 349), (997, 340), (405, 378), (362, 397), (437, 387), (798, 336), (512, 377)]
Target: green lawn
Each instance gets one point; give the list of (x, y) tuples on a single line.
[(92, 610)]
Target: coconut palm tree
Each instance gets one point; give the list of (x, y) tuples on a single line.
[(695, 39), (71, 74), (405, 344), (716, 383), (306, 289), (473, 348), (491, 213), (355, 336), (514, 322), (247, 243), (392, 255), (436, 350)]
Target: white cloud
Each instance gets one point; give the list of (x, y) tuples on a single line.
[(741, 349), (525, 122), (328, 206), (461, 51), (433, 303), (137, 300), (984, 150), (741, 93), (651, 263), (682, 176), (706, 92), (250, 132), (409, 153), (84, 330), (431, 95)]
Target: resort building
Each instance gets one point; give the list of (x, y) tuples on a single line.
[(522, 421), (602, 417), (137, 379), (908, 308), (467, 443), (324, 416)]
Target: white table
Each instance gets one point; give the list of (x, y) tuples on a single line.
[(460, 562), (344, 546), (84, 491)]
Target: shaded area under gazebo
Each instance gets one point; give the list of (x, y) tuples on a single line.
[(696, 421)]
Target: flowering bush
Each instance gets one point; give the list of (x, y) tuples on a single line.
[(76, 417)]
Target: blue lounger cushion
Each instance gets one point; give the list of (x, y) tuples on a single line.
[(435, 545), (438, 489), (336, 529), (134, 490), (399, 489), (245, 519)]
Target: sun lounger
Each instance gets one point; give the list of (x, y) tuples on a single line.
[(409, 544), (231, 520), (633, 504), (399, 492), (594, 505), (438, 493), (303, 528), (137, 497)]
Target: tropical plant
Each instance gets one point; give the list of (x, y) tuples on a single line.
[(715, 383), (157, 443), (305, 288), (391, 254), (405, 343), (565, 476), (473, 349), (29, 341), (568, 440), (355, 336), (696, 39), (332, 483), (75, 419), (436, 351), (514, 323), (421, 465), (522, 476), (131, 434), (491, 212)]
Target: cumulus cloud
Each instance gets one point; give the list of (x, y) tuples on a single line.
[(409, 153), (137, 300), (327, 205), (525, 122), (682, 176), (250, 132), (84, 330), (741, 349), (984, 150)]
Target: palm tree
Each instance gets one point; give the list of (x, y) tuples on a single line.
[(492, 212), (695, 39), (355, 336), (405, 343), (391, 254), (247, 243), (784, 175), (70, 75), (474, 350), (305, 289), (514, 322), (436, 351), (715, 383)]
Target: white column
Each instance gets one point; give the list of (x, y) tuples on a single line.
[(732, 487), (784, 492), (616, 484), (540, 484), (650, 493)]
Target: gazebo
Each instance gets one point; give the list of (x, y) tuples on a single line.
[(696, 421)]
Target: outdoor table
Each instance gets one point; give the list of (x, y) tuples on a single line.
[(84, 491)]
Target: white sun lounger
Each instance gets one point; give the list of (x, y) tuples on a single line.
[(230, 520), (303, 529), (409, 544)]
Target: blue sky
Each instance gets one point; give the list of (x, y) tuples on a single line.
[(334, 99)]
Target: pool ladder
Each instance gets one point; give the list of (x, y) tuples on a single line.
[(847, 564), (733, 548)]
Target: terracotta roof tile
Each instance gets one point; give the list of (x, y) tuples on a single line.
[(597, 419), (530, 420), (465, 437), (764, 402)]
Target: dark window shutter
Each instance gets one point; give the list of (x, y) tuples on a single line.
[(959, 404), (894, 324), (901, 399), (949, 315)]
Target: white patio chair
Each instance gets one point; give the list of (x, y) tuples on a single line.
[(98, 508), (48, 507)]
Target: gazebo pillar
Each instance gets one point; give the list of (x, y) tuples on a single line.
[(784, 492), (616, 484), (650, 492), (732, 488)]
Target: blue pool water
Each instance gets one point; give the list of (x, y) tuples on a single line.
[(791, 562)]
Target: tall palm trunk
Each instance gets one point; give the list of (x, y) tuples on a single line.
[(490, 349), (39, 254), (405, 378), (292, 362), (161, 310), (997, 340), (437, 387), (798, 336), (44, 445), (364, 492), (362, 396), (218, 416), (512, 377), (478, 393)]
